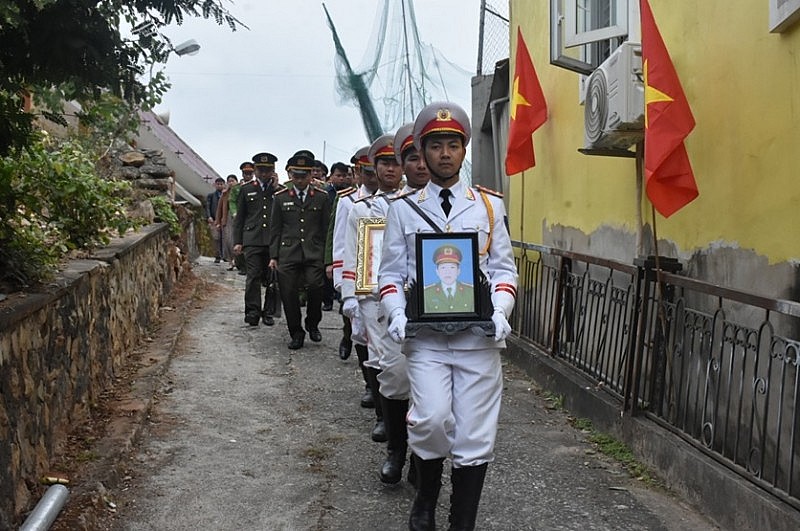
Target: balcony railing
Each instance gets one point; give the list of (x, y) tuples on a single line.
[(717, 366)]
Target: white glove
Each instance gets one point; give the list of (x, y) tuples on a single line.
[(501, 327), (397, 325), (350, 308), (358, 332)]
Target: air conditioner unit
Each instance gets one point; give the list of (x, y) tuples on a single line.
[(614, 106)]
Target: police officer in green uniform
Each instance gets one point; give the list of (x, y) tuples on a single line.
[(251, 233), (299, 226), (448, 294)]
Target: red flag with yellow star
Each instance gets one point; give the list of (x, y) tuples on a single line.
[(668, 173), (528, 111)]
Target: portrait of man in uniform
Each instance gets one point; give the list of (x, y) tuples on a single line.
[(449, 288)]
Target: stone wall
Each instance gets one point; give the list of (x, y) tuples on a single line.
[(61, 348)]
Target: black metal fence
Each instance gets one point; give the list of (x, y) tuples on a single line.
[(717, 366)]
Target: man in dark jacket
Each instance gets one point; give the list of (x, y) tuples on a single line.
[(251, 234), (299, 225), (212, 202)]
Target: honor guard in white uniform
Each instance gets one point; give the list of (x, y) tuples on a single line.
[(365, 171), (456, 380), (386, 364)]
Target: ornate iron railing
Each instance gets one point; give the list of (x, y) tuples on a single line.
[(717, 366)]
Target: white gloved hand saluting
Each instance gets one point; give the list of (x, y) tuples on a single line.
[(397, 325), (350, 308), (501, 327)]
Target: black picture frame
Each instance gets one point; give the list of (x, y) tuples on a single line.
[(448, 260)]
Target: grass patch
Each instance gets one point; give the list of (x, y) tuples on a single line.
[(616, 450), (553, 400)]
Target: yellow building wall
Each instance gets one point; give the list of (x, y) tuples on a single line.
[(743, 85)]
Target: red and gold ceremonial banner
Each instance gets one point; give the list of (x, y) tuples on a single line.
[(668, 173), (528, 111)]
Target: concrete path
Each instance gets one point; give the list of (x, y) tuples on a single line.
[(248, 435)]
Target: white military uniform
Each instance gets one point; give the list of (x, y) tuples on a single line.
[(343, 207), (384, 354), (456, 380)]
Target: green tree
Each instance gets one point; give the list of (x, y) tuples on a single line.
[(77, 50)]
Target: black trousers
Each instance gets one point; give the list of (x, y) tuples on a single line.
[(292, 277), (256, 259)]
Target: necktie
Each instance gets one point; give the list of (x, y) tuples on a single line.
[(301, 196), (450, 293), (445, 195)]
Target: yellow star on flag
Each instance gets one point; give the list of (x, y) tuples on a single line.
[(517, 99), (652, 94)]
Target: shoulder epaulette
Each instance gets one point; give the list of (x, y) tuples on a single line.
[(363, 198), (320, 189), (282, 190), (400, 196), (346, 191), (488, 191)]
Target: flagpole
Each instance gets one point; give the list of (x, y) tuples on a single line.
[(639, 181)]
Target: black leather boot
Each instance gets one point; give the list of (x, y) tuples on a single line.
[(394, 418), (467, 486), (429, 481), (412, 471), (368, 398), (379, 431)]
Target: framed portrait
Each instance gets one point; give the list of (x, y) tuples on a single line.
[(450, 293), (368, 254)]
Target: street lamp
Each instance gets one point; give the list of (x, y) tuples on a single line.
[(190, 47)]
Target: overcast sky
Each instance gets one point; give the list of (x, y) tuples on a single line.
[(271, 88)]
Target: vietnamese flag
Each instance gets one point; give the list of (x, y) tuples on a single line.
[(528, 111), (668, 120)]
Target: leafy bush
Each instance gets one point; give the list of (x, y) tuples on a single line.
[(52, 201), (165, 213)]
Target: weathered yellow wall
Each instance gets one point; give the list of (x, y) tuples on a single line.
[(743, 84)]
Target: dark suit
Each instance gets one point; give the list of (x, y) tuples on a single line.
[(297, 242), (251, 231)]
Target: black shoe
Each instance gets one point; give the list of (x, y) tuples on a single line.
[(345, 347), (314, 336), (367, 400), (379, 432), (217, 260), (242, 272), (252, 319), (268, 320), (297, 341), (328, 306)]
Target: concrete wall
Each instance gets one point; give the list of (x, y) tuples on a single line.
[(61, 348), (724, 496), (743, 90)]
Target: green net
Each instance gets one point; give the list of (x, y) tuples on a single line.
[(399, 74)]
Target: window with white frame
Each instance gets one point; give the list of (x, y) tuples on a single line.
[(583, 33)]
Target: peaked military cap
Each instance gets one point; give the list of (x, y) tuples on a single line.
[(360, 156), (301, 162), (305, 153), (447, 254), (403, 140), (440, 118), (382, 147), (265, 159), (246, 165)]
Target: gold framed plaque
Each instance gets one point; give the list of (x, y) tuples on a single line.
[(368, 254)]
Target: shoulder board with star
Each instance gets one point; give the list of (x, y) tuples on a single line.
[(346, 191), (488, 191), (401, 196), (282, 190), (320, 189)]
